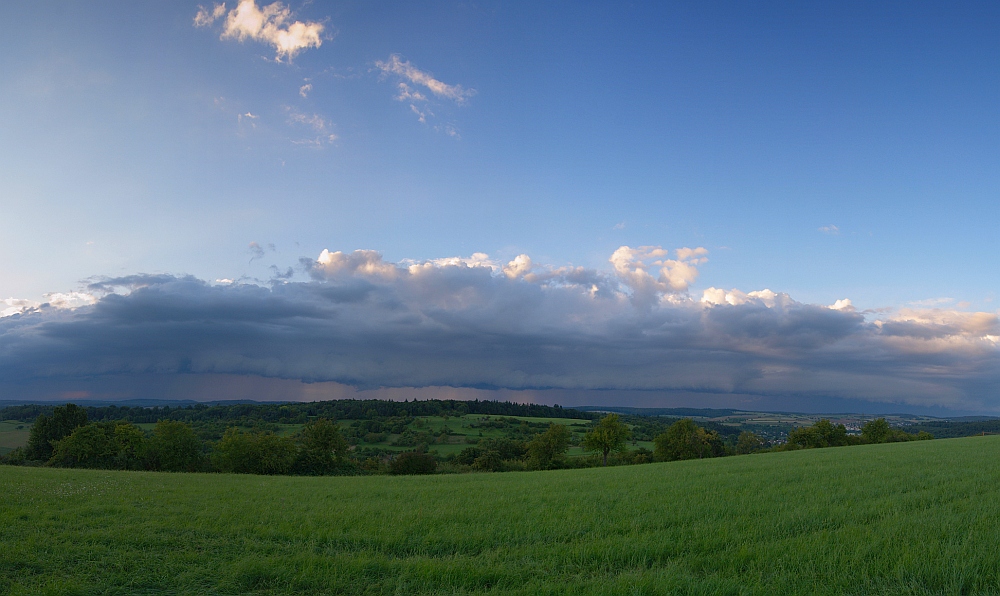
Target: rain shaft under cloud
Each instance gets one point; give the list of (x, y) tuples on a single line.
[(473, 322)]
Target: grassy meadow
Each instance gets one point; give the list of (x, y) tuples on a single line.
[(903, 518), (13, 434)]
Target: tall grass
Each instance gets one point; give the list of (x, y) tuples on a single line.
[(907, 518)]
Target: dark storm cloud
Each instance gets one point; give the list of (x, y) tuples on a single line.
[(465, 323)]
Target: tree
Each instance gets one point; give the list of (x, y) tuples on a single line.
[(322, 448), (686, 440), (548, 450), (822, 434), (876, 431), (253, 453), (489, 461), (47, 430), (608, 435), (174, 447), (109, 445), (749, 442)]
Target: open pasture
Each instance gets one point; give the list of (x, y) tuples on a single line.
[(904, 518), (13, 434)]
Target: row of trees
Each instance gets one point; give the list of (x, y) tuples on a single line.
[(686, 440), (608, 439), (67, 438), (249, 414), (826, 434)]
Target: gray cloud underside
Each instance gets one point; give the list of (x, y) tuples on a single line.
[(466, 326)]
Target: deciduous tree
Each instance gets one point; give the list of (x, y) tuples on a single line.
[(47, 430), (749, 442), (821, 434), (174, 447), (108, 445), (322, 448), (548, 450), (609, 435), (876, 431), (686, 440), (253, 453)]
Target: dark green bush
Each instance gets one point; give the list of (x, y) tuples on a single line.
[(413, 462)]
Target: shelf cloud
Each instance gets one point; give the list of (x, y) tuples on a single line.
[(475, 322)]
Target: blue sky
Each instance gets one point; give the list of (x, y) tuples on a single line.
[(846, 151)]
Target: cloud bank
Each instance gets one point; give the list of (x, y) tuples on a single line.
[(271, 24), (473, 322)]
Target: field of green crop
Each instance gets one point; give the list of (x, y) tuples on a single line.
[(904, 518)]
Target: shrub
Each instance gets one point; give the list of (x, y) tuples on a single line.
[(639, 455), (489, 461), (507, 448), (413, 462)]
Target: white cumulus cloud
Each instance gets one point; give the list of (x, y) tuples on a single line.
[(272, 24)]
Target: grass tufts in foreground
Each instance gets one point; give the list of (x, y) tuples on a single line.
[(905, 518)]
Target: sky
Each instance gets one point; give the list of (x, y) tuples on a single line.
[(771, 205)]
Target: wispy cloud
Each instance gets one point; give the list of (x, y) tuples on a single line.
[(319, 125), (248, 119), (396, 65), (933, 302), (831, 229), (257, 251), (272, 24), (406, 93), (421, 116), (305, 89), (448, 129), (206, 16)]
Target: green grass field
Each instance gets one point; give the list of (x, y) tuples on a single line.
[(13, 434), (904, 518)]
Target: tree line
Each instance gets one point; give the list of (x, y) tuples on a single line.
[(67, 437), (300, 413)]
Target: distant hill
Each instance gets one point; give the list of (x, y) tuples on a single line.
[(950, 429), (674, 412), (130, 403)]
